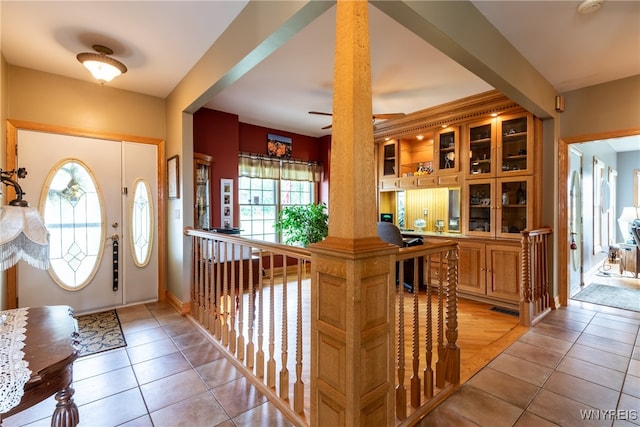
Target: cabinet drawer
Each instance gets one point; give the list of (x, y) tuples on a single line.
[(407, 182), (388, 184), (449, 180), (427, 181)]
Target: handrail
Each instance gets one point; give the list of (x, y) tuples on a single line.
[(236, 300)]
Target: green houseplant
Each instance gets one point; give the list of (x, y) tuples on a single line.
[(301, 225)]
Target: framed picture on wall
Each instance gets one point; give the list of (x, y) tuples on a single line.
[(173, 187), (226, 202)]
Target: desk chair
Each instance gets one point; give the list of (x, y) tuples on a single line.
[(391, 234)]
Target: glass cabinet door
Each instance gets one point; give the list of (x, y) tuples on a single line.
[(447, 150), (202, 190), (481, 137), (479, 208), (389, 163), (515, 143), (515, 211)]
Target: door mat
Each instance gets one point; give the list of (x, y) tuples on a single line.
[(611, 296), (99, 332)]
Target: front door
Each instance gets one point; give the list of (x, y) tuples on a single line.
[(103, 250)]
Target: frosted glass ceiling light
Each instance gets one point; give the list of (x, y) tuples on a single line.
[(589, 6), (101, 66)]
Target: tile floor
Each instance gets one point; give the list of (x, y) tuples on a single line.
[(581, 360)]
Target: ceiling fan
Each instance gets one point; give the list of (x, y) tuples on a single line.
[(375, 117)]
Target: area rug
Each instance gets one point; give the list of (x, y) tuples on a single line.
[(99, 332), (611, 296)]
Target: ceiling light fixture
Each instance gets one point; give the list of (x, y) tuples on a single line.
[(101, 66), (589, 6)]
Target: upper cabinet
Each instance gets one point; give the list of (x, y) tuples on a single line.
[(499, 147), (389, 159), (447, 150), (515, 145)]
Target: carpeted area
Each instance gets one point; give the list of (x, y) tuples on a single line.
[(611, 296), (100, 332)]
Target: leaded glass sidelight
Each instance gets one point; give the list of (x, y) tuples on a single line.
[(141, 223), (73, 214)]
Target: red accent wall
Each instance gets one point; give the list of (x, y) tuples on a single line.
[(222, 136)]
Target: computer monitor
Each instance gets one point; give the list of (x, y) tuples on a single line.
[(386, 217)]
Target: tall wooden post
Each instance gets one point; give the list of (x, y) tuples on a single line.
[(352, 269)]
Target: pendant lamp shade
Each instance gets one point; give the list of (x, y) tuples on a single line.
[(102, 67)]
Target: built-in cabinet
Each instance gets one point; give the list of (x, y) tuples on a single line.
[(202, 190), (491, 269), (494, 164)]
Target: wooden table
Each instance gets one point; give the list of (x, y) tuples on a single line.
[(50, 350), (629, 259)]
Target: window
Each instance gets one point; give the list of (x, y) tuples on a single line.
[(267, 185), (141, 223), (636, 187)]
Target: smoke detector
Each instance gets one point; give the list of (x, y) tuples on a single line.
[(589, 6)]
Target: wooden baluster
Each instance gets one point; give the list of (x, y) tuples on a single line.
[(415, 339), (207, 284), (284, 372), (440, 364), (546, 298), (201, 301), (271, 363), (526, 306), (260, 352), (218, 296), (428, 370), (453, 351), (241, 265), (232, 301), (225, 296), (194, 275), (298, 388), (401, 392), (250, 317)]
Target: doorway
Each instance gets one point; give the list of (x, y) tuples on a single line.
[(600, 231), (104, 248)]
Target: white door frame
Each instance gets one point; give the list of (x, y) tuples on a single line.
[(12, 139)]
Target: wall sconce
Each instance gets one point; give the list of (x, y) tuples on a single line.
[(23, 235), (102, 67)]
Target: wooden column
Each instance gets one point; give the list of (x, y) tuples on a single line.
[(352, 269)]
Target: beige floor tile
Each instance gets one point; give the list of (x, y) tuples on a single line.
[(522, 369), (535, 354), (181, 327), (557, 332), (604, 343), (85, 367), (530, 420), (599, 357), (623, 423), (172, 389), (201, 354), (160, 367), (594, 373), (629, 408), (570, 324), (151, 350), (144, 337), (131, 313), (144, 421), (190, 339), (100, 386), (265, 415), (238, 396), (113, 410), (563, 411), (39, 414), (616, 322), (200, 410), (583, 391), (139, 325), (504, 386), (218, 372), (632, 386), (546, 342), (603, 331)]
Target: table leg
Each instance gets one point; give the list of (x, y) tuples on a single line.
[(66, 412)]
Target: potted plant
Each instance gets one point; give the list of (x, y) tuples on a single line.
[(302, 225)]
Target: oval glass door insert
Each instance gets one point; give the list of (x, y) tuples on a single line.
[(141, 223), (73, 213)]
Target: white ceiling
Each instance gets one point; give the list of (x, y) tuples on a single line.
[(159, 41)]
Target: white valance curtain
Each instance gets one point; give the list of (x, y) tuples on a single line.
[(256, 166)]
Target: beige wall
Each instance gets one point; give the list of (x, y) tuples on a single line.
[(607, 107), (46, 98)]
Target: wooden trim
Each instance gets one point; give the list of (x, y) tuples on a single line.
[(562, 213), (183, 308), (12, 139)]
